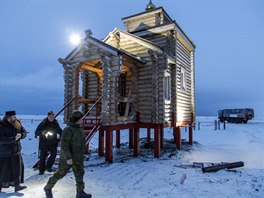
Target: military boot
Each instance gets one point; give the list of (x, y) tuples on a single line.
[(18, 188), (48, 193), (83, 194)]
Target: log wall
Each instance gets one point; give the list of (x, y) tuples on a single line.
[(146, 20), (185, 98), (144, 79)]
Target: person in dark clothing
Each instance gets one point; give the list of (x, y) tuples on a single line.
[(11, 162), (48, 131), (71, 156)]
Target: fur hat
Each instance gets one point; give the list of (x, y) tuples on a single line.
[(51, 113), (76, 115), (10, 113)]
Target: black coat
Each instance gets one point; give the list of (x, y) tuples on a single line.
[(11, 162), (8, 145), (51, 142)]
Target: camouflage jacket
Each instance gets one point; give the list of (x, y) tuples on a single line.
[(72, 143)]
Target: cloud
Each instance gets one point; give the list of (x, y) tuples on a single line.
[(47, 78)]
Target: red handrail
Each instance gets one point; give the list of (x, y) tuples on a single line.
[(67, 104), (97, 101)]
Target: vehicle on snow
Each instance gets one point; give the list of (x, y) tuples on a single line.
[(236, 115)]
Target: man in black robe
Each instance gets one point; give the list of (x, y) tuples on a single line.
[(11, 162)]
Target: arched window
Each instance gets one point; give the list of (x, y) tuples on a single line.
[(183, 79), (167, 86)]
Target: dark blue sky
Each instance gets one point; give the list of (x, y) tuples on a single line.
[(228, 35)]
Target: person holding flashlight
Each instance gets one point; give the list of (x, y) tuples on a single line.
[(49, 132)]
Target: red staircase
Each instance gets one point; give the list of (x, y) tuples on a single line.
[(91, 123)]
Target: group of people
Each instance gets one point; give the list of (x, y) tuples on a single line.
[(49, 132)]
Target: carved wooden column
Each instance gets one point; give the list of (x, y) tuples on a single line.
[(71, 88), (106, 99), (85, 88), (134, 89), (106, 90), (116, 68), (173, 94), (155, 83), (193, 85), (193, 98), (175, 97)]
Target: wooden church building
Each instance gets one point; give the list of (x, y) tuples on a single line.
[(139, 77)]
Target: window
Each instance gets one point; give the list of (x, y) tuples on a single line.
[(183, 79), (158, 19), (167, 86), (122, 91)]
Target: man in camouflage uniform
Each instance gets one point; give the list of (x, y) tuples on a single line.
[(71, 156)]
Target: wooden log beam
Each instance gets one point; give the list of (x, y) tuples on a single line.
[(86, 100), (93, 69), (223, 166)]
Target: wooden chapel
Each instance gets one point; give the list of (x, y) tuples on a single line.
[(139, 77)]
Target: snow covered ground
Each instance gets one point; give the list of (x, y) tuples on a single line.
[(145, 176)]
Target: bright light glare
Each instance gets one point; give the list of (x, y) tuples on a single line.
[(75, 39), (49, 133)]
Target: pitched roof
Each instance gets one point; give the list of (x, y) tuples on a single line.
[(103, 45), (173, 25), (138, 40)]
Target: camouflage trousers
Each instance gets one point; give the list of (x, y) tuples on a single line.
[(63, 169)]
